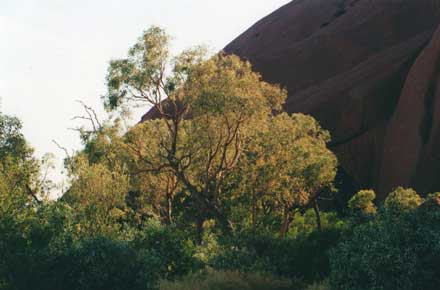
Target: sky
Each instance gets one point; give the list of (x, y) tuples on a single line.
[(55, 52)]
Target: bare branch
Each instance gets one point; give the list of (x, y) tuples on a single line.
[(91, 116), (32, 193), (90, 111), (62, 148)]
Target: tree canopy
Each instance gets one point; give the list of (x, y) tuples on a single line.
[(217, 132)]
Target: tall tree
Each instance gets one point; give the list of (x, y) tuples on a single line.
[(288, 164), (209, 114), (19, 170), (206, 107)]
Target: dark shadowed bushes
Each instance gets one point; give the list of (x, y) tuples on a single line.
[(303, 257), (45, 251), (103, 263), (398, 250), (232, 280)]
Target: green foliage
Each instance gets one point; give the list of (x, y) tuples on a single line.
[(169, 247), (102, 263), (231, 280), (402, 200), (29, 240), (215, 139), (302, 255), (19, 170), (362, 204), (47, 250), (209, 246), (12, 142), (399, 249), (98, 195), (23, 178), (305, 224), (141, 69), (318, 286), (287, 165)]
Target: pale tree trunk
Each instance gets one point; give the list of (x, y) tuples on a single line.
[(285, 223), (169, 209)]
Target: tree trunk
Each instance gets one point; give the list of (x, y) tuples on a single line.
[(254, 211), (318, 215), (169, 210), (199, 231), (224, 223), (285, 224)]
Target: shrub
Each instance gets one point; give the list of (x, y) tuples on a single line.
[(398, 250), (169, 246), (402, 200), (45, 251), (362, 204), (28, 242), (318, 286), (103, 263), (231, 280), (303, 255)]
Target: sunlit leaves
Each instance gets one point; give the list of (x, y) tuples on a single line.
[(362, 203)]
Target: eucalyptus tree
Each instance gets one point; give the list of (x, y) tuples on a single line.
[(19, 169), (287, 167), (207, 114), (207, 108)]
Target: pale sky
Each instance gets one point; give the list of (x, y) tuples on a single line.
[(53, 52)]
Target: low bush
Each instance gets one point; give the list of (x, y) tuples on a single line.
[(103, 263), (303, 255), (46, 251), (318, 286), (398, 250), (231, 280)]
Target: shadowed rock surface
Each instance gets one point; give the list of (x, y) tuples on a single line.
[(368, 70)]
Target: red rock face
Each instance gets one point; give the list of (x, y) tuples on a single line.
[(413, 159), (369, 71)]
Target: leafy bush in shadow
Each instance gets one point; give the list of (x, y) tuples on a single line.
[(231, 280)]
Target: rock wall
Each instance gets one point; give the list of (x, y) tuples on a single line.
[(368, 70)]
